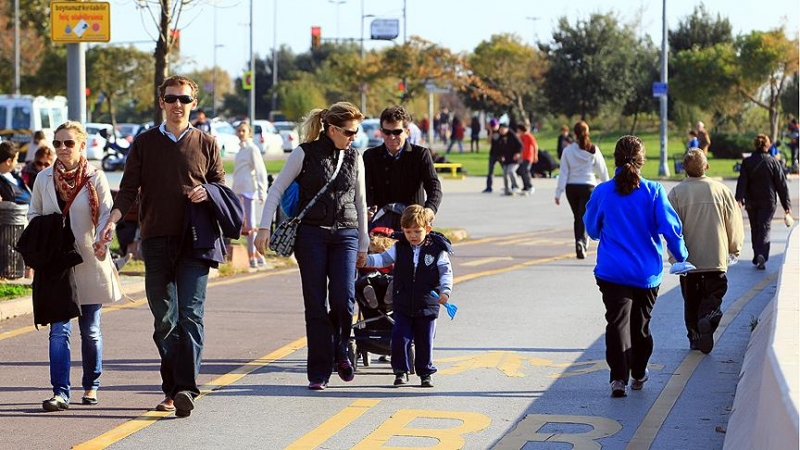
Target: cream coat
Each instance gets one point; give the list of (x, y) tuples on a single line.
[(97, 281)]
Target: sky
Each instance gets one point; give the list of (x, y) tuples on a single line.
[(224, 25)]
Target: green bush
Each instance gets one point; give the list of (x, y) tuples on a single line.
[(731, 146)]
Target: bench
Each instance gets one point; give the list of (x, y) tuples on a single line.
[(452, 167)]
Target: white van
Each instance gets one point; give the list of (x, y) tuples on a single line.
[(22, 115)]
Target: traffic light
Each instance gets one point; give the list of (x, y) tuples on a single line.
[(316, 37)]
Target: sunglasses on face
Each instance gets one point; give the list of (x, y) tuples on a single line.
[(185, 99), (69, 143), (396, 132), (42, 163), (346, 132)]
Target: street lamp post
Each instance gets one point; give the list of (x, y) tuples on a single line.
[(252, 71), (274, 55), (363, 87), (533, 23), (337, 3)]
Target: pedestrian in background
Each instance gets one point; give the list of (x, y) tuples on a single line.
[(627, 215), (332, 237), (761, 177), (475, 134), (457, 136), (74, 187), (530, 156), (494, 156), (168, 167), (564, 139), (422, 268), (509, 148), (43, 158), (580, 162), (712, 230), (201, 122), (250, 184), (703, 138)]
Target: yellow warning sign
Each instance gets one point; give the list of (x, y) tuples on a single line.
[(74, 22)]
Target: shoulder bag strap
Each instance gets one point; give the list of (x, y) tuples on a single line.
[(324, 188)]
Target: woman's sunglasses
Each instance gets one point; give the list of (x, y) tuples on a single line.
[(346, 132), (185, 99), (69, 143), (396, 132), (42, 164)]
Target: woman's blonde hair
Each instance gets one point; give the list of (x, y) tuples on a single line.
[(246, 125), (318, 120), (75, 126)]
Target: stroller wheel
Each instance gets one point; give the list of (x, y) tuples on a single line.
[(351, 354), (365, 358)]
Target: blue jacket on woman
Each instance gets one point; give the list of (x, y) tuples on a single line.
[(628, 227)]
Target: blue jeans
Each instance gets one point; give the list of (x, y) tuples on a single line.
[(91, 351), (176, 291), (420, 331), (327, 262)]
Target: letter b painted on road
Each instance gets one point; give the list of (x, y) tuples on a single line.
[(449, 438), (527, 430)]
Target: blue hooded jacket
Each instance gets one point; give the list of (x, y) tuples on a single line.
[(629, 228)]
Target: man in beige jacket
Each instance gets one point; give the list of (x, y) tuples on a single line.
[(712, 229)]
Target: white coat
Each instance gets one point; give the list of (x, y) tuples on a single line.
[(96, 281)]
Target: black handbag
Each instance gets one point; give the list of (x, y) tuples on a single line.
[(282, 240)]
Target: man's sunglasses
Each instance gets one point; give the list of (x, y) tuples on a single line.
[(346, 132), (185, 99), (396, 132), (69, 143)]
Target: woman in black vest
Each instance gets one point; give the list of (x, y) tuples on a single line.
[(332, 235)]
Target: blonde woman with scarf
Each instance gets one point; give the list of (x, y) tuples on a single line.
[(75, 184)]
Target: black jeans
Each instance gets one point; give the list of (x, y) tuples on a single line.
[(492, 161), (702, 297), (629, 343), (578, 196), (760, 216)]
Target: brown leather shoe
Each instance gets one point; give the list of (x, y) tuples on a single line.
[(166, 405)]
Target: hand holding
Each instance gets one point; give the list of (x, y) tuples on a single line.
[(198, 194), (361, 259), (262, 240), (558, 201)]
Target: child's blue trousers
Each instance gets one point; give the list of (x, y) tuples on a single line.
[(420, 331)]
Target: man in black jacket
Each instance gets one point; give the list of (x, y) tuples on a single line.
[(398, 171), (12, 187)]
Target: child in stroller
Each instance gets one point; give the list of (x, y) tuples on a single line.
[(373, 330)]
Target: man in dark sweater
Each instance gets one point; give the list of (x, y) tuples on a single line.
[(398, 171), (167, 166)]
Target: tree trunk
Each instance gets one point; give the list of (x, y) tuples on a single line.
[(161, 56)]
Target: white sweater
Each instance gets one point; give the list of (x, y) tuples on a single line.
[(249, 171), (579, 167)]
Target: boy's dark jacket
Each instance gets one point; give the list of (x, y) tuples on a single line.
[(208, 222), (411, 295), (48, 247)]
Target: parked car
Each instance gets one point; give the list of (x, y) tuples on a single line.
[(267, 137), (361, 141), (130, 130), (96, 143), (288, 131), (226, 137), (372, 128), (21, 115)]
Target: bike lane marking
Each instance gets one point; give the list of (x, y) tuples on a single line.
[(651, 424), (121, 304)]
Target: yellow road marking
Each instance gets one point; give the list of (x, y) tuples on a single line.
[(482, 261), (143, 300), (532, 262), (335, 424), (148, 418), (653, 421), (490, 240), (449, 438)]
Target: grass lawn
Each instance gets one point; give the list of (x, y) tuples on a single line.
[(10, 291), (476, 163)]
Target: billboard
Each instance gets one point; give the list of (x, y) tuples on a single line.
[(384, 29), (75, 22)]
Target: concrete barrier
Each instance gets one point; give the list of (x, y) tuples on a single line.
[(765, 412)]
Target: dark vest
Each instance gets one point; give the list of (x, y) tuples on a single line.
[(412, 289), (337, 206)]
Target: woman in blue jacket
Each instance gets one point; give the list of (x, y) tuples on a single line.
[(628, 214)]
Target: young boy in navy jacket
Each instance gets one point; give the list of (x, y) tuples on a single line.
[(423, 280)]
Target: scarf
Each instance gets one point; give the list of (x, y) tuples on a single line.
[(68, 181)]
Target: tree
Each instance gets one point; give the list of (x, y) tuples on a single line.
[(112, 73), (699, 30), (166, 16), (591, 65), (32, 46), (511, 70), (418, 62)]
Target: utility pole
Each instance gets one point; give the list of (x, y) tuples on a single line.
[(16, 47), (253, 71), (663, 167), (274, 105)]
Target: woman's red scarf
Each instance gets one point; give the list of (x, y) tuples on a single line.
[(68, 181)]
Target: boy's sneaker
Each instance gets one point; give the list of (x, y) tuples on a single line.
[(705, 343), (425, 381), (370, 296), (638, 384), (345, 370), (400, 379), (618, 389), (487, 191)]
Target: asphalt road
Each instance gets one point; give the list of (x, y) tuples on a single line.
[(522, 364)]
